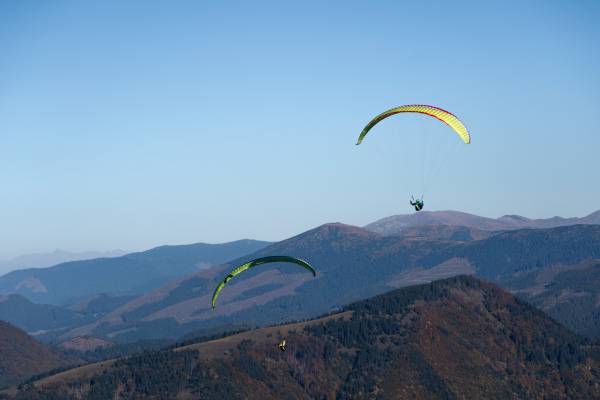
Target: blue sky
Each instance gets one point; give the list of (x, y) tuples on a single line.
[(136, 124)]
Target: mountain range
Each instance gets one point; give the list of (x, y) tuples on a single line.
[(352, 263), (556, 269)]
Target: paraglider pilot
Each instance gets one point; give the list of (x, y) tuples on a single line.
[(282, 345), (418, 204)]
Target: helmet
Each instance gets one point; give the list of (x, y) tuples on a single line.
[(418, 201)]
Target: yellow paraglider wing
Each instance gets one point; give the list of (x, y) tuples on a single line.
[(444, 116)]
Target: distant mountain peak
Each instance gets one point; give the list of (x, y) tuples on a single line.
[(515, 217)]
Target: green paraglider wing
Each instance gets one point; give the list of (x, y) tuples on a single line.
[(256, 262), (443, 115)]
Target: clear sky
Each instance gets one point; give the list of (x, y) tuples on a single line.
[(136, 124)]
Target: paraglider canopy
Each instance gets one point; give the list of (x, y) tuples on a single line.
[(443, 115), (260, 261)]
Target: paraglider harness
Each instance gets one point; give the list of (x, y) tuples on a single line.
[(282, 345), (418, 204)]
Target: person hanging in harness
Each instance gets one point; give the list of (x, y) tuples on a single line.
[(282, 345), (418, 204)]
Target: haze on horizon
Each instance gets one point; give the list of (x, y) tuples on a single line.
[(139, 124)]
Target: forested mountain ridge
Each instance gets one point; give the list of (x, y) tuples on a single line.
[(455, 338)]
